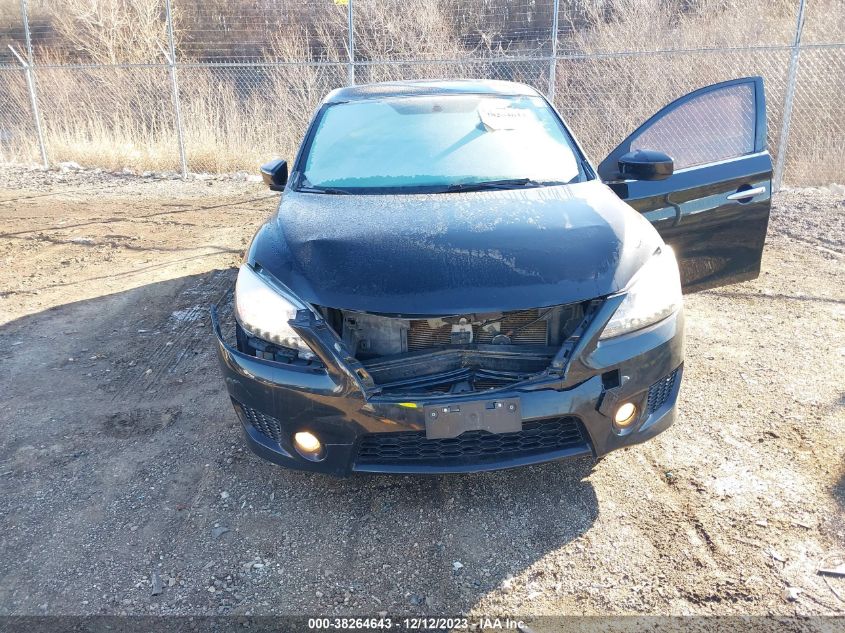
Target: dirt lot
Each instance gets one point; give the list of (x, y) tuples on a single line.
[(121, 460)]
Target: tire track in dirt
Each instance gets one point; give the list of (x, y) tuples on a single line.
[(185, 330)]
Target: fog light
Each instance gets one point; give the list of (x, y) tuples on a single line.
[(625, 414), (307, 443)]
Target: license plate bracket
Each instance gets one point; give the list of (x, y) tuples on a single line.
[(499, 415)]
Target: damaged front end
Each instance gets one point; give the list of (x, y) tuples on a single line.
[(452, 393), (399, 357), (457, 354), (445, 392)]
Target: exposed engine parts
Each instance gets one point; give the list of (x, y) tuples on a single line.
[(456, 353)]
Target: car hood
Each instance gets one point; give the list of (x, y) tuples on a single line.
[(438, 254)]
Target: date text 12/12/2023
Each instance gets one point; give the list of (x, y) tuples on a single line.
[(418, 624)]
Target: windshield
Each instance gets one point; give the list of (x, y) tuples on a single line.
[(437, 143)]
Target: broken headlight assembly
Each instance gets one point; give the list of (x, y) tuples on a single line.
[(654, 294), (263, 311)]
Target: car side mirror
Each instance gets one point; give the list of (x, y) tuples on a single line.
[(646, 164), (275, 174)]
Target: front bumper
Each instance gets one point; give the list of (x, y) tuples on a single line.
[(563, 416)]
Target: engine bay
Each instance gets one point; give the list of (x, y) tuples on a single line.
[(455, 353)]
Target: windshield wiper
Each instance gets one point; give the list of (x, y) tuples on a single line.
[(510, 183), (328, 190)]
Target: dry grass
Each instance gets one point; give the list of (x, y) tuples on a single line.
[(235, 118), (110, 31), (109, 117)]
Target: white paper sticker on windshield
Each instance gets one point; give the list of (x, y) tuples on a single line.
[(499, 115)]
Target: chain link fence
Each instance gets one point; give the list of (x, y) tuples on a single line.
[(222, 86)]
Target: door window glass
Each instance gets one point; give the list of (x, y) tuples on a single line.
[(716, 125)]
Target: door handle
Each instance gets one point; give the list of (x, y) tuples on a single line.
[(747, 193)]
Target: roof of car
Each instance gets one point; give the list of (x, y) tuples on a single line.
[(429, 87)]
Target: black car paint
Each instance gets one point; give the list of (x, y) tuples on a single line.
[(339, 402), (717, 241), (458, 253)]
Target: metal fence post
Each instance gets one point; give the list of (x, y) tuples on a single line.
[(177, 109), (789, 98), (30, 82), (553, 61), (350, 68)]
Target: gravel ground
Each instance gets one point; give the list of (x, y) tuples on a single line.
[(125, 486)]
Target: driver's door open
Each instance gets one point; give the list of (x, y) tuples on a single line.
[(714, 209)]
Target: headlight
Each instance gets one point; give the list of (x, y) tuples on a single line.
[(654, 295), (264, 313)]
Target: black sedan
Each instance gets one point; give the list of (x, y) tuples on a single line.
[(450, 285)]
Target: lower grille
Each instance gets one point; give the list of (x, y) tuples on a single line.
[(660, 391), (472, 447), (264, 424)]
